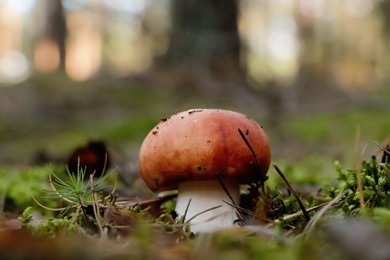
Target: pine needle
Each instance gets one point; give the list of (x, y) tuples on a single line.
[(45, 207), (202, 212), (304, 212)]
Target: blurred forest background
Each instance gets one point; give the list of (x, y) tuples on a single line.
[(310, 71)]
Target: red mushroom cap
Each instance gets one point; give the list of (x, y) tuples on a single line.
[(198, 144)]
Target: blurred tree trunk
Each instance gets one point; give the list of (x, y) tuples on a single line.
[(314, 86), (205, 33), (56, 27), (204, 54)]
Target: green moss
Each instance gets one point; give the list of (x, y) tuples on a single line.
[(375, 178), (18, 185)]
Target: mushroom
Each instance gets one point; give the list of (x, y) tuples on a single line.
[(201, 153)]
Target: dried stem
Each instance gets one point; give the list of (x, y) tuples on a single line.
[(358, 169), (95, 205), (76, 214), (45, 207)]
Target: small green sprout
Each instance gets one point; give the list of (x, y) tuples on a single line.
[(75, 191)]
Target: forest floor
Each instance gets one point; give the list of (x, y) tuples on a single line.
[(43, 120)]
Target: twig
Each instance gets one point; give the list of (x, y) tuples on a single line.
[(304, 212)]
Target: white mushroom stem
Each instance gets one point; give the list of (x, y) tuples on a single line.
[(205, 195)]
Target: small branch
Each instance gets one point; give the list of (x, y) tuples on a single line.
[(305, 214)]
